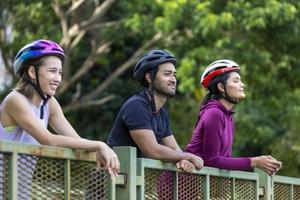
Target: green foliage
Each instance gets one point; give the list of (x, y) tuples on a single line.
[(183, 112)]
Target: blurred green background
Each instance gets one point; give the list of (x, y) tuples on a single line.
[(103, 40)]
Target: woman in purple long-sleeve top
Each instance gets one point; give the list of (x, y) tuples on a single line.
[(214, 131)]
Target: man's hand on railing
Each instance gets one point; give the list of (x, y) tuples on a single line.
[(185, 166), (107, 158), (266, 163), (196, 160)]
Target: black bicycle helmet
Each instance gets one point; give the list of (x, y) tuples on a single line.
[(149, 61)]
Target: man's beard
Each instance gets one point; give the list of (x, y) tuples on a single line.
[(164, 91)]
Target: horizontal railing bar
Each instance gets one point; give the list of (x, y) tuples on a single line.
[(227, 173), (46, 151), (156, 164), (286, 180)]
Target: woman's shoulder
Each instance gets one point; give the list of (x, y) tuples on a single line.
[(53, 100), (212, 108), (53, 104), (15, 103), (213, 112), (15, 98)]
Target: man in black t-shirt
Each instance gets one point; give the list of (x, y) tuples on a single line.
[(143, 121)]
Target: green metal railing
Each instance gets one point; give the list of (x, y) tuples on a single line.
[(151, 179), (42, 172), (278, 187), (286, 188), (160, 180)]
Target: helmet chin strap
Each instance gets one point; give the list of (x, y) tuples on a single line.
[(38, 89)]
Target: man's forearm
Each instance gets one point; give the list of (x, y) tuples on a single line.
[(167, 154)]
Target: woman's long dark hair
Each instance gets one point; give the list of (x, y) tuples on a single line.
[(23, 86)]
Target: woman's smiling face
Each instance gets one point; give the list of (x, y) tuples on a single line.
[(50, 75)]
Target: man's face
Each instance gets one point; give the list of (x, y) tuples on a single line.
[(165, 80)]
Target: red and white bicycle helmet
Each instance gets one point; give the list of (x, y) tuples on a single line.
[(217, 68)]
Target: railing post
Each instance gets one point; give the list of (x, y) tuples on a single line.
[(127, 158), (206, 187), (13, 174), (67, 179), (175, 184), (267, 184)]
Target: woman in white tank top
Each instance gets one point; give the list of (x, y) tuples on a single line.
[(26, 111)]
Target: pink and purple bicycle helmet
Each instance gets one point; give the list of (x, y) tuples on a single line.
[(36, 49)]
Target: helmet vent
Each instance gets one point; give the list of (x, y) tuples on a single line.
[(55, 49), (152, 59), (45, 42), (35, 48), (220, 67)]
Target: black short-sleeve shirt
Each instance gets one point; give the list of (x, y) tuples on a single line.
[(136, 114)]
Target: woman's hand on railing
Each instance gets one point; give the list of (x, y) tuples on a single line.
[(266, 163), (196, 160), (108, 159), (185, 166)]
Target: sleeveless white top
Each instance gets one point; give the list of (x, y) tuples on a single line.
[(18, 134)]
